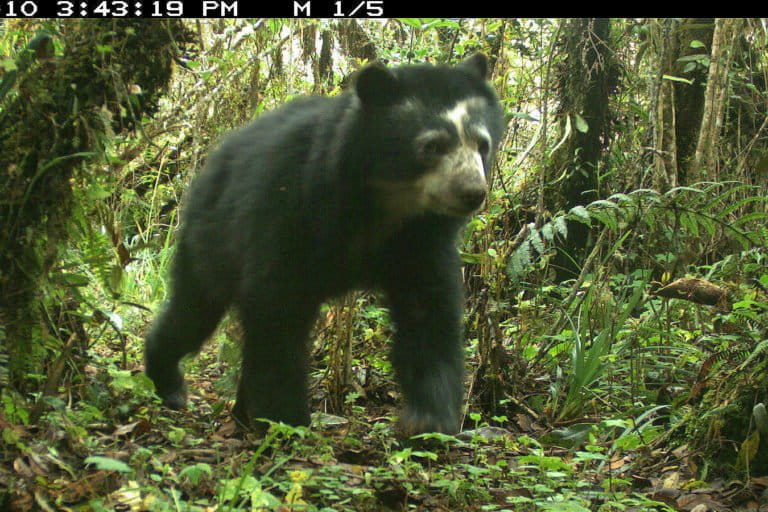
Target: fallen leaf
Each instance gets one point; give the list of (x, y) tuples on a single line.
[(139, 427), (671, 481)]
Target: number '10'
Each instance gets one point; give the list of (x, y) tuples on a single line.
[(26, 8)]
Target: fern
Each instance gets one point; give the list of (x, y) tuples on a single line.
[(536, 242), (692, 210), (580, 214), (759, 349), (560, 226), (519, 260)]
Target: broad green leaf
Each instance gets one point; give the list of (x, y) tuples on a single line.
[(519, 259), (195, 472), (108, 464), (698, 57), (581, 124), (523, 115), (413, 22), (620, 198)]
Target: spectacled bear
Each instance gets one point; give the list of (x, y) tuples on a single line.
[(367, 189)]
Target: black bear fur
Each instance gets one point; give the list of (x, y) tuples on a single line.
[(321, 196)]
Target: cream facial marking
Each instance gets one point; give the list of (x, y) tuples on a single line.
[(469, 134), (479, 163), (459, 114)]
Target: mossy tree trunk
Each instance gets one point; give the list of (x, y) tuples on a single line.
[(683, 49), (694, 39), (585, 80), (58, 114)]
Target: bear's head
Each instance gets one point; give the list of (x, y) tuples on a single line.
[(429, 135)]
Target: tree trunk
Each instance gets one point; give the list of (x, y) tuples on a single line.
[(704, 163), (65, 108), (680, 98), (585, 79), (664, 124), (689, 97)]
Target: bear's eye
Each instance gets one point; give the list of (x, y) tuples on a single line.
[(483, 146), (434, 144)]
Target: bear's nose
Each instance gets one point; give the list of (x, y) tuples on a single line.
[(472, 197)]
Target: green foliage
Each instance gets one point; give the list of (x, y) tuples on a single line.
[(682, 217), (14, 408), (601, 374), (588, 361), (108, 464)]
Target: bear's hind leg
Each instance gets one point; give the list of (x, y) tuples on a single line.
[(187, 320), (273, 380)]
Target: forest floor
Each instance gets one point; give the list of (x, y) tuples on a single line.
[(123, 451)]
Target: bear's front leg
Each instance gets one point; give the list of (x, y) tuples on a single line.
[(428, 355)]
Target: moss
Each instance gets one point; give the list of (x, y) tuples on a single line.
[(63, 110)]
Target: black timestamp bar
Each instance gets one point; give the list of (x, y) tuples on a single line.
[(192, 8), (119, 8)]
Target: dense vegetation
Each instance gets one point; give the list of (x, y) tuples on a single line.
[(617, 283)]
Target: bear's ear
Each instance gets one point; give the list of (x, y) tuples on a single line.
[(477, 64), (377, 86)]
